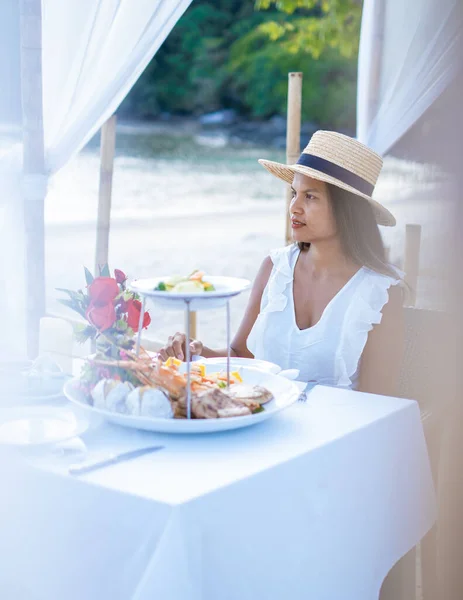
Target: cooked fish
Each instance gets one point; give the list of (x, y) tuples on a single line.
[(215, 403), (250, 394), (233, 411)]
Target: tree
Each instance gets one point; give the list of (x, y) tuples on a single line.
[(227, 54), (332, 24)]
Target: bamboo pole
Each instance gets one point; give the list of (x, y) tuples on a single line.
[(412, 259), (293, 134), (107, 149), (193, 325), (33, 165)]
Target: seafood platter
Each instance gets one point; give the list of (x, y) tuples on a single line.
[(218, 400), (184, 397)]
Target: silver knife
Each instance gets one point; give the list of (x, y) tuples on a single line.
[(112, 459)]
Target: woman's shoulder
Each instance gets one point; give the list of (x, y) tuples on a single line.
[(379, 289), (283, 254), (394, 277)]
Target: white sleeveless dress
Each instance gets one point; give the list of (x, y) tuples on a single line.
[(329, 352)]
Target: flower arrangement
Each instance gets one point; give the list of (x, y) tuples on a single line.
[(112, 316)]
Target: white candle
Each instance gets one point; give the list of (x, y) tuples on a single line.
[(56, 341)]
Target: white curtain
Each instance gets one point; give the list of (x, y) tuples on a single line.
[(408, 56), (93, 51)]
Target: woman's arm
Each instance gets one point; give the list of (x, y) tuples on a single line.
[(238, 345), (176, 344), (382, 355)]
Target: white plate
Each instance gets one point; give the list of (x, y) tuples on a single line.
[(42, 398), (225, 288), (38, 426), (285, 393), (36, 400), (236, 362)]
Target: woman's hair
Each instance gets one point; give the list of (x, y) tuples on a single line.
[(359, 233)]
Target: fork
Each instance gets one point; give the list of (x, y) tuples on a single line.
[(303, 395)]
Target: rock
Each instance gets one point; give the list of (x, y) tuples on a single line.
[(212, 140), (220, 117), (279, 142), (277, 123), (267, 133), (247, 127)]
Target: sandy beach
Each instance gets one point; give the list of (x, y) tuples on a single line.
[(226, 246), (184, 200)]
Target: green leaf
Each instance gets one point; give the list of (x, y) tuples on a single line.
[(273, 30), (88, 276), (76, 296), (121, 325), (104, 270), (66, 291), (83, 332), (127, 344), (72, 305)]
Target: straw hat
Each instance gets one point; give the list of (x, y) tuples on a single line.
[(342, 161)]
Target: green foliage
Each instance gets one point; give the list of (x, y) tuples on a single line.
[(186, 75), (237, 54), (88, 276), (329, 86), (334, 24), (83, 332), (104, 270), (77, 301)]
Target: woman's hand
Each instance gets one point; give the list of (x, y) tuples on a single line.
[(176, 347)]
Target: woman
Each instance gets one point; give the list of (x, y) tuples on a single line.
[(328, 304)]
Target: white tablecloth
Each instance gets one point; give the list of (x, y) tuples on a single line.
[(318, 502)]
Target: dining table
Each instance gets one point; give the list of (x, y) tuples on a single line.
[(318, 502)]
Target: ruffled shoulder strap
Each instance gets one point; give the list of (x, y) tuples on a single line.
[(282, 259), (364, 311), (276, 293)]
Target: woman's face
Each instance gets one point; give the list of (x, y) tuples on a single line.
[(312, 217)]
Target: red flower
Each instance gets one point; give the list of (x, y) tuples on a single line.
[(101, 316), (103, 290), (133, 315), (122, 305), (120, 276)]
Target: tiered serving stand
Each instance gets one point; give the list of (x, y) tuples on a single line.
[(284, 391), (225, 289)]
